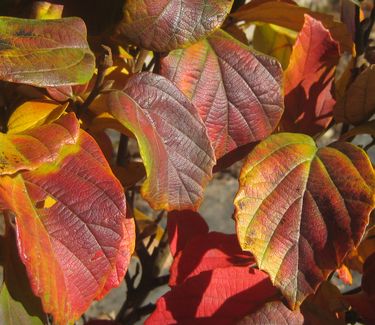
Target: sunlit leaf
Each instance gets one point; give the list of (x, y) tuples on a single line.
[(33, 114), (357, 256), (269, 41), (358, 104), (274, 312), (169, 24), (73, 235), (29, 149), (309, 78), (207, 252), (236, 91), (46, 10), (289, 15), (45, 52), (173, 141), (300, 209), (182, 227), (218, 297), (345, 275)]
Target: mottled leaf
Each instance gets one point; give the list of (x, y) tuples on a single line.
[(269, 40), (207, 252), (236, 91), (182, 227), (274, 312), (300, 209), (309, 78), (166, 25), (29, 149), (218, 297), (358, 104), (173, 141), (73, 235), (33, 114), (45, 52), (288, 14)]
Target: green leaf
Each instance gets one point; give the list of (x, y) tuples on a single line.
[(45, 52)]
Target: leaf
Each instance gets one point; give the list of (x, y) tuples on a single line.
[(46, 10), (345, 275), (300, 209), (170, 24), (324, 306), (182, 227), (33, 114), (64, 93), (309, 78), (236, 91), (269, 40), (18, 305), (365, 128), (130, 174), (207, 252), (73, 234), (36, 52), (364, 301), (357, 257), (289, 15), (29, 149), (173, 141), (274, 312), (197, 301), (358, 104)]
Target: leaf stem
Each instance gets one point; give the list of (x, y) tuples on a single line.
[(104, 62)]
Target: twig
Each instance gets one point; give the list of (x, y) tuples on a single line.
[(104, 62)]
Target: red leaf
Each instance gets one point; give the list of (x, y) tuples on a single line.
[(165, 25), (218, 297), (73, 235), (29, 149), (173, 140), (308, 80), (205, 253), (182, 227), (274, 312), (237, 91), (300, 209)]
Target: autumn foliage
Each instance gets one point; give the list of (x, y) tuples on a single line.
[(197, 91)]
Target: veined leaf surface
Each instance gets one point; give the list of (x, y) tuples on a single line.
[(308, 80), (237, 91), (45, 52), (166, 25), (173, 141), (300, 209), (72, 231), (29, 149)]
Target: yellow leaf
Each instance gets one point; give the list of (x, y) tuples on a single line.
[(33, 114)]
